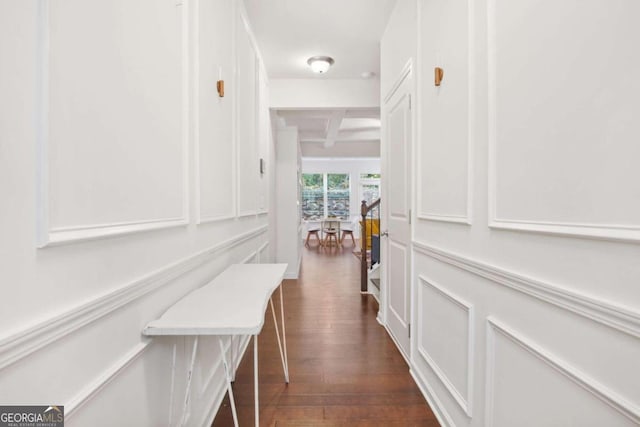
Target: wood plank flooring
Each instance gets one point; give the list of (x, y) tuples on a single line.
[(344, 369)]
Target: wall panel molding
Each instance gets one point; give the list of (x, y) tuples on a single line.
[(202, 219), (607, 396), (471, 108), (51, 236), (262, 259), (25, 341), (607, 313), (566, 228), (94, 387), (464, 401)]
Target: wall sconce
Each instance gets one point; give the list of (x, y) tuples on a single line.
[(439, 74), (262, 167), (220, 87)]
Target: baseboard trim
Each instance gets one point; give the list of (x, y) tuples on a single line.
[(596, 309), (393, 338), (434, 403), (19, 344), (294, 274)]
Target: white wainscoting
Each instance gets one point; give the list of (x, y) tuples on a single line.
[(596, 309), (434, 128), (578, 161), (21, 343), (92, 217), (575, 406), (428, 327), (93, 388), (263, 254), (108, 375)]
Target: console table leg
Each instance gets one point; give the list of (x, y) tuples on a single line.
[(173, 383), (187, 393), (255, 379), (284, 336), (275, 321), (228, 377)]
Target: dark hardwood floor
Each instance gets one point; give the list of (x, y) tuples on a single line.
[(344, 369)]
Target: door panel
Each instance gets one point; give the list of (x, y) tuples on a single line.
[(398, 294), (397, 115)]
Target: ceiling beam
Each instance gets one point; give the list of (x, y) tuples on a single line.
[(348, 136), (333, 127)]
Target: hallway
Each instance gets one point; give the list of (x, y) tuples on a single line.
[(344, 368)]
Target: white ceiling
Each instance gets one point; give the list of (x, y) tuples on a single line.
[(288, 32), (336, 132)]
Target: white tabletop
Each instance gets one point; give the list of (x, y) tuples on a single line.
[(234, 303)]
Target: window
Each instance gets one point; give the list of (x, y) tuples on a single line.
[(312, 196), (338, 195), (325, 195), (370, 176), (370, 192), (369, 187)]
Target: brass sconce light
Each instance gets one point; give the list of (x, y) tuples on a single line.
[(220, 87), (439, 74)]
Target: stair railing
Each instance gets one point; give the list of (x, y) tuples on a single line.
[(369, 240)]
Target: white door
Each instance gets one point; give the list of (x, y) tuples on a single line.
[(398, 136)]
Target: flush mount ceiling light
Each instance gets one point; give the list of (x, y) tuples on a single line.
[(320, 64)]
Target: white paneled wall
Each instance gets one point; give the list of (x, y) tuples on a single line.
[(525, 304), (127, 182)]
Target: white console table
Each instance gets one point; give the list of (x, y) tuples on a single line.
[(234, 303)]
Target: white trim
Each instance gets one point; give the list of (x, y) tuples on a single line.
[(25, 341), (406, 73), (435, 404), (585, 230), (296, 273), (64, 235), (42, 124), (398, 346), (186, 109), (456, 219), (253, 255), (606, 395), (407, 264), (465, 402), (261, 249), (234, 107), (608, 313), (52, 236), (613, 232), (258, 64), (101, 381), (471, 108), (404, 99), (334, 159), (214, 219)]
